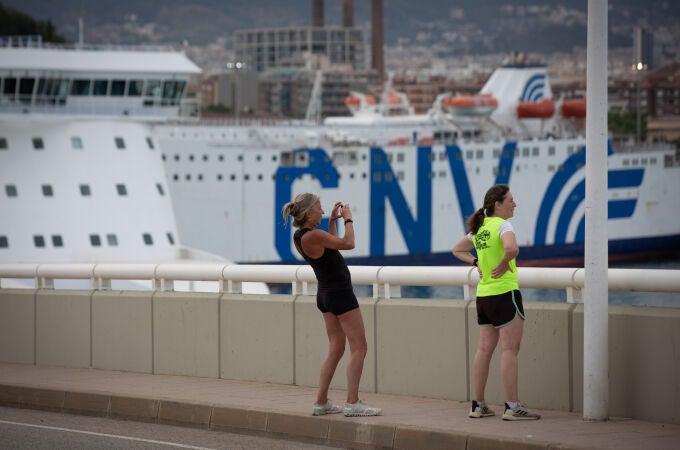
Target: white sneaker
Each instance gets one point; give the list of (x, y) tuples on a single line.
[(360, 409), (477, 410), (328, 408), (519, 413)]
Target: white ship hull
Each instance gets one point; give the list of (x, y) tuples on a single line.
[(410, 203)]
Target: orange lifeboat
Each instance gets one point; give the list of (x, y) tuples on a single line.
[(355, 101), (574, 108), (471, 105), (399, 141), (541, 109)]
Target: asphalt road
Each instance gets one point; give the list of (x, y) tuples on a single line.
[(24, 429)]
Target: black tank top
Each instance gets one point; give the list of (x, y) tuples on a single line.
[(330, 268)]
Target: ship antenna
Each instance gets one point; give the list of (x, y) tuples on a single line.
[(80, 32), (314, 105)]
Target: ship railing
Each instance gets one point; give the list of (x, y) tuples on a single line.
[(385, 281)]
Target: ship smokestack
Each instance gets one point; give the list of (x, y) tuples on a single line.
[(348, 13), (377, 59), (317, 13)]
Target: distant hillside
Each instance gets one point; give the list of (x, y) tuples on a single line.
[(467, 26), (14, 23)]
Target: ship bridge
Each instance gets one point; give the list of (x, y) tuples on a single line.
[(100, 81)]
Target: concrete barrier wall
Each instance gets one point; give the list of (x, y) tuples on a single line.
[(17, 325), (415, 346)]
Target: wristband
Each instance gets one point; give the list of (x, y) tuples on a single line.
[(348, 221)]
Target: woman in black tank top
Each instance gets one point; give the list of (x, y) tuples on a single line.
[(335, 297)]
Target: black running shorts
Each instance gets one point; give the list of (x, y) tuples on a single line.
[(499, 310), (336, 301)]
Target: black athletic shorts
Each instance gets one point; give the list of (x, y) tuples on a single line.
[(336, 301), (499, 310)]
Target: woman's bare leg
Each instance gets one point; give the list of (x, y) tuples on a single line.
[(488, 339), (511, 337), (336, 348), (353, 326)]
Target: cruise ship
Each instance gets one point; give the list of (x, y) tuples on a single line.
[(99, 164), (81, 171)]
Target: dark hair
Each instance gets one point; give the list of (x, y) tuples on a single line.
[(298, 208), (495, 194)]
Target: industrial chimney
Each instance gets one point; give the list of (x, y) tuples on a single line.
[(317, 13), (377, 58), (348, 13)]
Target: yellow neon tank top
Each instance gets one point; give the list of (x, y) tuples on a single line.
[(490, 251)]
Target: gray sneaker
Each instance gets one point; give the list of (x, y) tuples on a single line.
[(360, 409), (477, 410), (519, 413), (328, 408)]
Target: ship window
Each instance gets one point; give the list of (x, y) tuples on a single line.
[(39, 240), (400, 157), (9, 88), (176, 157), (551, 150), (652, 161), (120, 143), (469, 154), (100, 88), (400, 175), (95, 240), (240, 158), (626, 162), (38, 144), (153, 88), (135, 88), (3, 143), (47, 190), (187, 177), (117, 88), (233, 177), (80, 87), (442, 156), (191, 157), (199, 177), (76, 143), (4, 243), (570, 149), (147, 239), (171, 239), (121, 189), (442, 174), (149, 142), (26, 89), (11, 190), (219, 177), (57, 241), (525, 151), (635, 162), (363, 175), (85, 190), (551, 168), (160, 189), (112, 239), (220, 158), (247, 177), (175, 177), (534, 151), (479, 154), (377, 177), (205, 157)]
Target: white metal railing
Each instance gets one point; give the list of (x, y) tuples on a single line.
[(386, 281)]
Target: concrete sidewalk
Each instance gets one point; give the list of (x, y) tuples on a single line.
[(406, 423)]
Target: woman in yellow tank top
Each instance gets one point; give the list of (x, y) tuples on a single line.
[(500, 313)]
